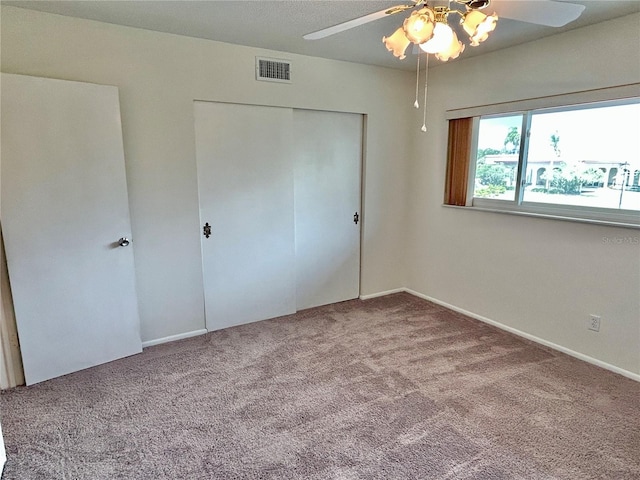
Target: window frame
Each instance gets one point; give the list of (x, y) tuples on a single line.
[(629, 94)]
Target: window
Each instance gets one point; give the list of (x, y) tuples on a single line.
[(581, 161), (497, 157)]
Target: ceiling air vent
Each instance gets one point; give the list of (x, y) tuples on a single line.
[(273, 70)]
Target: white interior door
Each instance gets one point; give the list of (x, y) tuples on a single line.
[(245, 182), (328, 159), (64, 207)]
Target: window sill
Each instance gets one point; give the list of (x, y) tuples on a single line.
[(549, 216)]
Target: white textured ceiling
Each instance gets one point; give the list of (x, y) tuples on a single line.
[(280, 25)]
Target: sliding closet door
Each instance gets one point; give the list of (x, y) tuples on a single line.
[(328, 159), (64, 208), (245, 182)]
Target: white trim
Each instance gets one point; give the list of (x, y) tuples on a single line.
[(3, 453), (562, 100), (382, 294), (473, 160), (173, 338), (528, 336), (12, 373), (548, 216)]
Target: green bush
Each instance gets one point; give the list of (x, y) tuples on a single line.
[(570, 181), (490, 191), (492, 175), (566, 182), (592, 176)]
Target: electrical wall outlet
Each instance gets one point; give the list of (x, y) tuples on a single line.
[(594, 323)]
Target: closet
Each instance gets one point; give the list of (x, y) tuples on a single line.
[(279, 193)]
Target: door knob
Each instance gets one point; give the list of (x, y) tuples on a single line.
[(123, 242)]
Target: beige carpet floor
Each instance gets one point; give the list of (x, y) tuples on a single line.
[(390, 388)]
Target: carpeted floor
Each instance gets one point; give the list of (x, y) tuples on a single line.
[(391, 388)]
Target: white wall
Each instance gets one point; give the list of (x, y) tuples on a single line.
[(488, 263), (159, 76)]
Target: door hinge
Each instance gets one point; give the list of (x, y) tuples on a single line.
[(356, 217), (206, 230)]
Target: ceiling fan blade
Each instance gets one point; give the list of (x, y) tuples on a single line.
[(541, 12), (356, 22)]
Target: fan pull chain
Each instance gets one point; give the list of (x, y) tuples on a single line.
[(416, 104), (426, 74)]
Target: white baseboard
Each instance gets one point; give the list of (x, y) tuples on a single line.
[(382, 294), (173, 338), (515, 331), (528, 336)]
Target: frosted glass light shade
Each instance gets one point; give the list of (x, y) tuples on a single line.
[(442, 38), (397, 43), (478, 26), (456, 47), (418, 27), (471, 20)]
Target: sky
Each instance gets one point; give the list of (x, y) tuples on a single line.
[(608, 134)]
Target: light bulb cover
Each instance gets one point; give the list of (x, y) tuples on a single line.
[(397, 43), (419, 26), (478, 26), (456, 47), (441, 40)]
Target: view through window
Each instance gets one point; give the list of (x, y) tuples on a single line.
[(585, 156)]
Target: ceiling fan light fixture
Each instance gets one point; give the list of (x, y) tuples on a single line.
[(442, 38), (478, 26), (397, 43), (428, 27), (419, 26)]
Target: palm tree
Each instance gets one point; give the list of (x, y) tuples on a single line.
[(512, 138), (555, 140)]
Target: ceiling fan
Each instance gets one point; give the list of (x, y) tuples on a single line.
[(428, 28)]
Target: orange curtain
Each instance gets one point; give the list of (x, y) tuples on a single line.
[(458, 157)]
